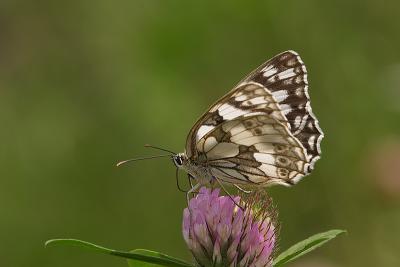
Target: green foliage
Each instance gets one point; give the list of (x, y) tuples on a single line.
[(148, 258), (305, 246), (136, 263)]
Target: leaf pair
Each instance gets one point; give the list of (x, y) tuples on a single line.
[(148, 258)]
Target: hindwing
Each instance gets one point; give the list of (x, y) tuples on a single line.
[(256, 149)]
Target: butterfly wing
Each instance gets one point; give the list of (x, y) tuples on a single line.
[(285, 76), (277, 89), (254, 149)]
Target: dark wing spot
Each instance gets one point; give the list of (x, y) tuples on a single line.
[(248, 123), (283, 173), (257, 131), (214, 119), (282, 160), (279, 148)]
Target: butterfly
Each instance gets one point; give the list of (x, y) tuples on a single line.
[(261, 133)]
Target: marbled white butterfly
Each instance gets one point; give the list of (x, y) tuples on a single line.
[(263, 132)]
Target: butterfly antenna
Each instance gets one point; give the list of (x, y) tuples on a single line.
[(159, 148), (144, 158)]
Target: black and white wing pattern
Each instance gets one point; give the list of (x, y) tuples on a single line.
[(263, 131), (285, 76)]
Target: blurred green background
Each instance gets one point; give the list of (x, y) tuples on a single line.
[(84, 84)]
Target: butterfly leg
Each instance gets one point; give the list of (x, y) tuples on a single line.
[(177, 181), (190, 177), (242, 190), (226, 192), (192, 190)]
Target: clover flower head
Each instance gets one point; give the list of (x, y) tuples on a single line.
[(220, 233)]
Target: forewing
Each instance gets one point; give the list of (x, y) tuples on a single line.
[(256, 149), (285, 76)]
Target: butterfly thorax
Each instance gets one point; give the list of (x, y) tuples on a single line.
[(195, 167)]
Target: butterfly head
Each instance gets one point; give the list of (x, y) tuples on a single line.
[(180, 160)]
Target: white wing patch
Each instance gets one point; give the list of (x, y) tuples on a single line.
[(229, 112), (270, 71), (223, 150), (203, 130), (210, 143), (285, 108), (264, 158), (286, 74)]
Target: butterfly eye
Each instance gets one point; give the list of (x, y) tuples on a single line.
[(178, 160)]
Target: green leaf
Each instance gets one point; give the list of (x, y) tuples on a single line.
[(140, 257), (305, 246), (135, 263)]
